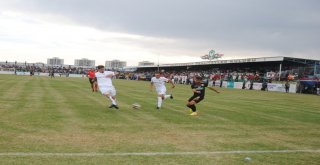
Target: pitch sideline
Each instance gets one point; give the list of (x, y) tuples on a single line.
[(94, 154)]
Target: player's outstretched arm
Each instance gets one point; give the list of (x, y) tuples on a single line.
[(151, 86), (110, 75), (211, 88), (171, 83)]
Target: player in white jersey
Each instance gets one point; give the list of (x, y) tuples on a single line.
[(105, 85), (159, 83)]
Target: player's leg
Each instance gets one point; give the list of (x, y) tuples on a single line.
[(192, 106), (91, 84), (159, 100), (112, 97), (191, 103), (104, 91), (108, 94), (168, 95), (95, 85), (163, 92), (196, 101), (161, 96)]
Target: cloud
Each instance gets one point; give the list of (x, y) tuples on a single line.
[(36, 39), (191, 28)]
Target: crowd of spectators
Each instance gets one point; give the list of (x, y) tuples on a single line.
[(179, 76), (43, 69), (184, 77)]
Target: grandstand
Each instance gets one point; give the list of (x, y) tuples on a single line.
[(249, 73), (302, 68), (25, 68), (284, 65), (304, 72)]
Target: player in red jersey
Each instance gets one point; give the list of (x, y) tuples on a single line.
[(93, 80)]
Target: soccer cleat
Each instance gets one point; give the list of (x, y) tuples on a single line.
[(113, 106), (158, 107), (194, 114), (171, 97)]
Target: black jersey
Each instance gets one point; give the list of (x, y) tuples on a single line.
[(199, 88)]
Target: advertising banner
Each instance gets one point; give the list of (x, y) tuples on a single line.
[(6, 72), (276, 87), (238, 85), (230, 84), (257, 86), (217, 83), (225, 84), (293, 88)]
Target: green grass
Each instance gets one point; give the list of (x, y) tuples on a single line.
[(62, 115)]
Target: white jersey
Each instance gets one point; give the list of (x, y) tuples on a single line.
[(159, 83), (103, 80)]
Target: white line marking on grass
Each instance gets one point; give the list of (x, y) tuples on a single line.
[(94, 154)]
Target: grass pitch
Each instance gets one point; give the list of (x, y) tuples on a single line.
[(41, 116)]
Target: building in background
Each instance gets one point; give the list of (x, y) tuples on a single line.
[(115, 64), (84, 63), (55, 61), (146, 63)]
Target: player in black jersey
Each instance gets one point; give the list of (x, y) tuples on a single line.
[(198, 87)]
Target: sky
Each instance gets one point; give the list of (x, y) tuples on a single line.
[(160, 31)]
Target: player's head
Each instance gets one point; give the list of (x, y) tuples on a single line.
[(197, 79), (157, 74), (100, 68)]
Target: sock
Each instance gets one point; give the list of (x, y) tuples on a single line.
[(159, 101), (113, 100), (166, 96), (193, 107)]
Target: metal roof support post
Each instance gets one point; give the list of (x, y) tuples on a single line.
[(315, 68), (280, 71)]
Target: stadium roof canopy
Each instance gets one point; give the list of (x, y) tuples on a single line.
[(281, 64), (237, 61)]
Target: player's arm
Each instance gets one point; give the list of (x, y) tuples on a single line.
[(151, 86), (211, 88), (110, 75), (169, 81), (195, 91)]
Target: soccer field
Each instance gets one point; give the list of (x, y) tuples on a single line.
[(60, 121)]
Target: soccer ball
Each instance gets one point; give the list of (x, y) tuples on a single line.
[(136, 106)]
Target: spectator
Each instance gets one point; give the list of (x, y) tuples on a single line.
[(287, 86)]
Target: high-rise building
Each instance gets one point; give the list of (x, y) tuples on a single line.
[(146, 63), (84, 63), (55, 61), (115, 64)]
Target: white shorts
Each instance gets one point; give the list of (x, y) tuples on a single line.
[(108, 90), (161, 91)]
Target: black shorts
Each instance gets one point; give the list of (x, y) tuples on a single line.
[(92, 80), (200, 97)]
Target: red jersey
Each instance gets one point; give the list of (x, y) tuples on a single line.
[(91, 74)]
